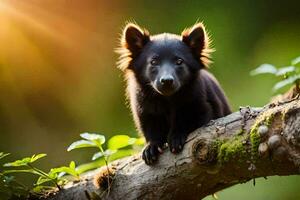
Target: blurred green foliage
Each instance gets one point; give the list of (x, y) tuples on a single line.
[(58, 76), (288, 76)]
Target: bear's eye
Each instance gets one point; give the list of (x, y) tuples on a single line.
[(179, 61), (154, 61)]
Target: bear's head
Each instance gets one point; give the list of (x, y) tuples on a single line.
[(166, 62)]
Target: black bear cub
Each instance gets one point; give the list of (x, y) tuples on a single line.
[(171, 92)]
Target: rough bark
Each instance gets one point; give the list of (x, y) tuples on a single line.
[(250, 143)]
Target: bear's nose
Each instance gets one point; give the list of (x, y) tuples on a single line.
[(167, 80)]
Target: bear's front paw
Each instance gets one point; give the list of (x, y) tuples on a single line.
[(151, 152), (176, 143)]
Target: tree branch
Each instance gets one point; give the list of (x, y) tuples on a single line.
[(251, 143)]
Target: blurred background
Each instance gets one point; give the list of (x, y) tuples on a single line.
[(58, 75)]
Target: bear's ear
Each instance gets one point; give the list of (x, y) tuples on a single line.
[(134, 38), (197, 39)]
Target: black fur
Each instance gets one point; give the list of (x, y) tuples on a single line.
[(170, 90)]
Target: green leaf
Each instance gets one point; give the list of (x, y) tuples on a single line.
[(286, 82), (72, 172), (93, 137), (97, 155), (25, 161), (36, 157), (296, 61), (57, 170), (140, 141), (81, 144), (120, 141), (18, 163), (264, 69), (109, 152), (106, 154), (2, 155), (285, 70), (61, 171), (121, 154), (89, 166), (31, 171), (72, 165), (42, 180)]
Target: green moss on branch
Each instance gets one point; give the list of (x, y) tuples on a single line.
[(229, 149), (255, 138)]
